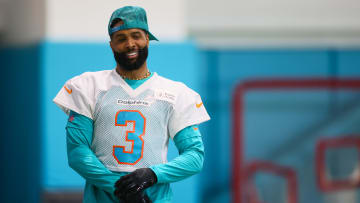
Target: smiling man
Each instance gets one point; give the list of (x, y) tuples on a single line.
[(121, 120)]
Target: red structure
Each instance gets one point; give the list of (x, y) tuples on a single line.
[(328, 185), (270, 85), (270, 168)]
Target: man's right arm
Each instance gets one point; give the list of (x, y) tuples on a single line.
[(79, 132)]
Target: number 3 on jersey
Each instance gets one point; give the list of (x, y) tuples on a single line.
[(134, 136)]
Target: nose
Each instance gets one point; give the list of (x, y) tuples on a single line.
[(130, 43)]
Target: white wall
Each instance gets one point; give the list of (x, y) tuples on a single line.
[(3, 5), (22, 21), (264, 22), (87, 20), (227, 23)]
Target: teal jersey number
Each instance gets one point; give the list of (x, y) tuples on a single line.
[(133, 136)]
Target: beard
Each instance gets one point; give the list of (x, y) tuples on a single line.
[(128, 64)]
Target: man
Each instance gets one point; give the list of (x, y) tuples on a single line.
[(120, 121)]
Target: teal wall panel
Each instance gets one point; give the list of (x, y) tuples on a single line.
[(21, 127), (275, 121)]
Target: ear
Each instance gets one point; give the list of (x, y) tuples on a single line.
[(111, 45), (147, 39)]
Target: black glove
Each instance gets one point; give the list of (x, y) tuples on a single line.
[(134, 182)]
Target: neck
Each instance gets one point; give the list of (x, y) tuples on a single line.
[(137, 74)]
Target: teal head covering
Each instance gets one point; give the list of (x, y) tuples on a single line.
[(133, 17)]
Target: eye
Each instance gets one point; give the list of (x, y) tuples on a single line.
[(136, 36), (120, 39)]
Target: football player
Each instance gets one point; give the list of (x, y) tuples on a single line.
[(121, 120)]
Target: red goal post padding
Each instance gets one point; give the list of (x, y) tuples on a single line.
[(270, 168), (268, 85), (324, 144)]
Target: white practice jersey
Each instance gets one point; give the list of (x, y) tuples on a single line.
[(132, 127)]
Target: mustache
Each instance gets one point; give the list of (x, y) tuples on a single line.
[(140, 50), (130, 50)]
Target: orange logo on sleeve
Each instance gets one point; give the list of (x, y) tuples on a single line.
[(199, 105), (68, 90)]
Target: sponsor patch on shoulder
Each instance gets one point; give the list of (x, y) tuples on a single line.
[(131, 102), (164, 95)]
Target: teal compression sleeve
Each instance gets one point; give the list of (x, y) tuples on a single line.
[(81, 158), (190, 160)]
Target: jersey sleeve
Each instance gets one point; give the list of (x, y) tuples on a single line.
[(188, 110), (76, 96)]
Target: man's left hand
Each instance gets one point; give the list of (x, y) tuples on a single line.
[(135, 182)]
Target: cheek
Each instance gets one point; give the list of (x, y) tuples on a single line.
[(118, 48), (143, 43)]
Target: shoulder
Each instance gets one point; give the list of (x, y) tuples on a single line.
[(175, 86), (90, 78)]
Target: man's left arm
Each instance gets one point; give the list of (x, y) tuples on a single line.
[(190, 160), (188, 111)]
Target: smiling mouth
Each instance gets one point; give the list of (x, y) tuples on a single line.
[(132, 55)]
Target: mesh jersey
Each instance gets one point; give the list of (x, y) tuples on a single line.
[(132, 127)]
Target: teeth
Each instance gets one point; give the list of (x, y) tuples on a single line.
[(132, 54)]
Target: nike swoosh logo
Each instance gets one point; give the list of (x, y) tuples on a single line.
[(68, 90), (199, 105)]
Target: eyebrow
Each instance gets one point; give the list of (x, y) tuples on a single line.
[(119, 35), (123, 35)]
